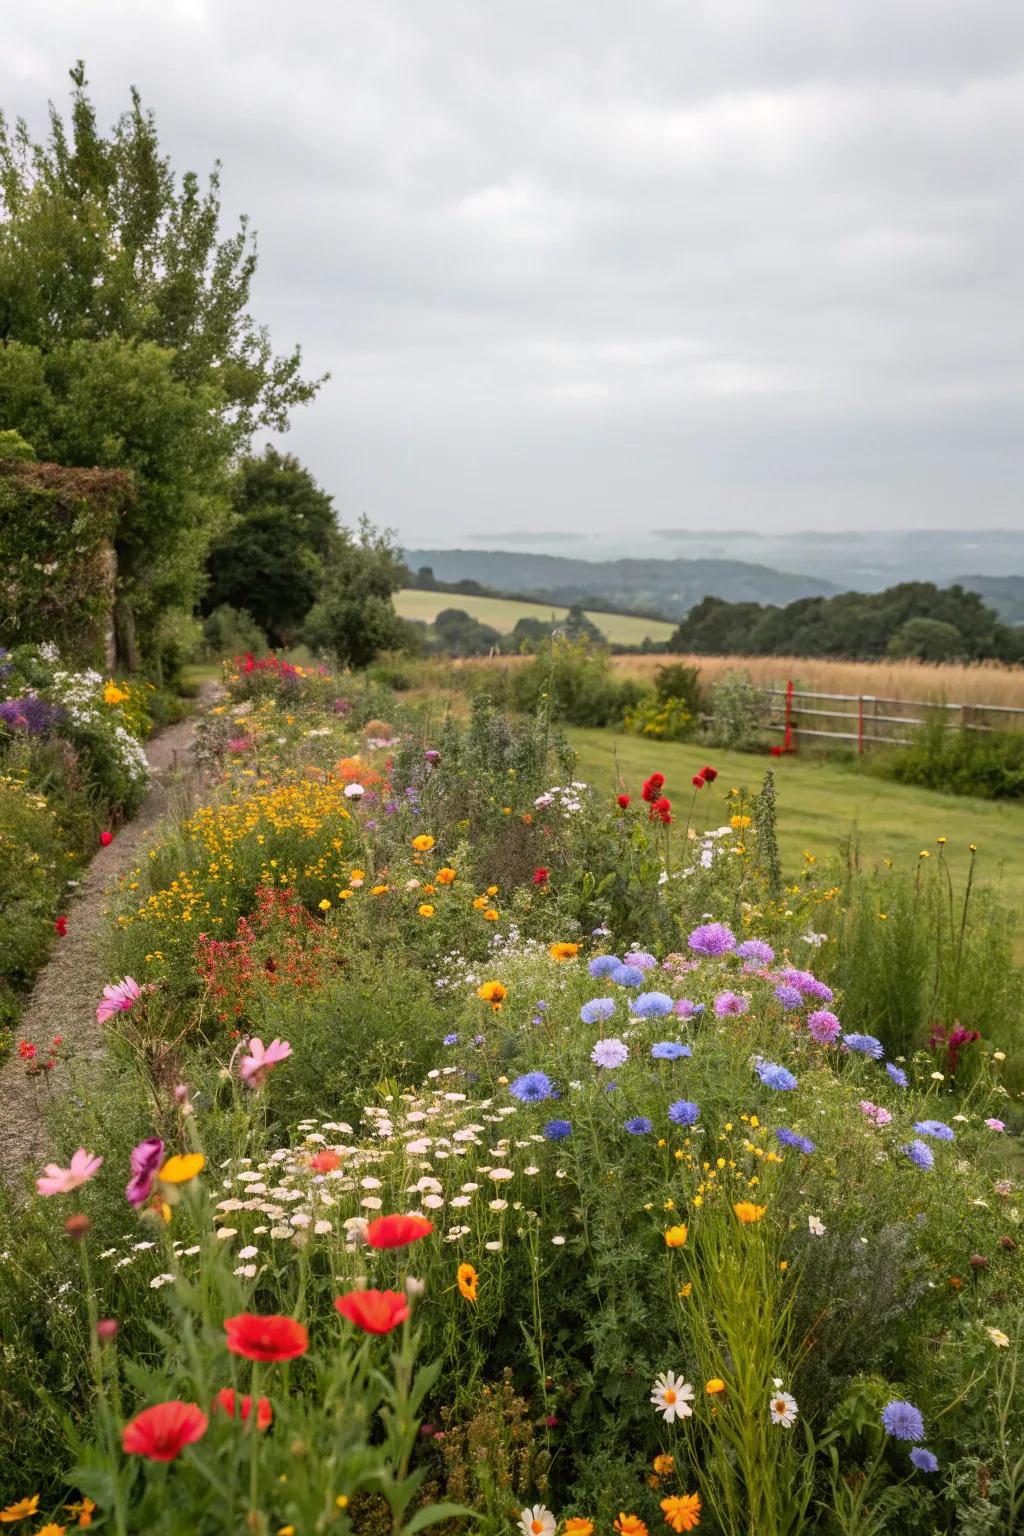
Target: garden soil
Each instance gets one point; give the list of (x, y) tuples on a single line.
[(68, 988)]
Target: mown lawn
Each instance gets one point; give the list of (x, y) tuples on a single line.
[(821, 804)]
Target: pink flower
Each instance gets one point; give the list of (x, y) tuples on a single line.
[(995, 1125), (875, 1112), (118, 998), (146, 1159), (55, 1180), (255, 1067)]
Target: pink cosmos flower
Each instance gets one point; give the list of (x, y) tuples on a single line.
[(995, 1125), (146, 1159), (255, 1067), (118, 998), (55, 1180)]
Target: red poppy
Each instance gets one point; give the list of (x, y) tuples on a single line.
[(227, 1399), (161, 1433), (106, 838), (662, 808), (373, 1311), (325, 1162), (397, 1231), (540, 877), (622, 801), (697, 781), (265, 1338), (61, 926), (709, 774), (652, 787)]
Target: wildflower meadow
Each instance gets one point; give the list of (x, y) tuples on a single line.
[(475, 1148)]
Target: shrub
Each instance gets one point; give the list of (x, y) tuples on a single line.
[(735, 712), (574, 682), (989, 764)]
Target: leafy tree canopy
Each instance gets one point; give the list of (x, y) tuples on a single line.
[(353, 618)]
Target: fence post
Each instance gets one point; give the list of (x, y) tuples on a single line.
[(787, 740), (860, 725)]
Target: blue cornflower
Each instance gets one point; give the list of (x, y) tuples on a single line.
[(532, 1087), (774, 1076), (902, 1420), (867, 1045), (922, 1157), (669, 1050), (650, 1005), (451, 1040), (794, 1139), (789, 997), (712, 939), (756, 949), (597, 1009), (923, 1459), (628, 976), (557, 1130), (682, 1112), (603, 965), (938, 1130), (897, 1074), (640, 1126)]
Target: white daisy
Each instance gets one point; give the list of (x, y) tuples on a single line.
[(672, 1397), (816, 1226), (783, 1409), (537, 1521)]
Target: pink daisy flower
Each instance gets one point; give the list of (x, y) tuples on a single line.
[(261, 1059), (55, 1180), (118, 998)]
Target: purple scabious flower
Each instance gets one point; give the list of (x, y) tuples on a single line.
[(639, 1126), (902, 1420), (29, 713), (727, 1003), (687, 1009), (712, 939), (683, 1112), (921, 1156), (557, 1130), (757, 950), (641, 958), (823, 1026), (897, 1074), (789, 997), (597, 1009), (669, 1050), (938, 1130), (628, 976), (774, 1076), (867, 1045), (146, 1159), (923, 1459), (651, 1005), (450, 1040), (609, 1053), (807, 983), (532, 1088), (794, 1139), (603, 965), (432, 756)]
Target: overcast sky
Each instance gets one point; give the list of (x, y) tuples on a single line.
[(584, 270)]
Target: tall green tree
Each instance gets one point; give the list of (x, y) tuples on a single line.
[(354, 618), (270, 559), (114, 279)]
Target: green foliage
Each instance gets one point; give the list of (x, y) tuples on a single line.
[(735, 711), (13, 446), (458, 634), (229, 631), (662, 720), (353, 619), (960, 762), (572, 681), (924, 639)]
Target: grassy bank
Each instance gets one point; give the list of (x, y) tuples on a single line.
[(502, 615)]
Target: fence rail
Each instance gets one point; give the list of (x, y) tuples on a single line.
[(871, 716)]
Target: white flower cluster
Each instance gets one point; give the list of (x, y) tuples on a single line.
[(80, 694), (568, 798)]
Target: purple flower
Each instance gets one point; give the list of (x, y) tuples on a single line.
[(432, 756), (640, 957), (712, 939), (922, 1157), (774, 1076), (902, 1420), (609, 1053), (669, 1050), (603, 965), (938, 1130), (450, 1040), (897, 1074), (532, 1088), (682, 1112), (757, 950), (866, 1045), (727, 1003), (995, 1125), (640, 1126), (808, 984), (597, 1009), (146, 1159), (557, 1130), (794, 1139), (628, 976), (823, 1026), (923, 1459), (29, 713), (789, 997), (688, 1010), (650, 1005)]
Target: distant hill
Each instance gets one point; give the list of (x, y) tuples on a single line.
[(1003, 593), (668, 586)]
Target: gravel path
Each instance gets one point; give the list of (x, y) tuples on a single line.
[(67, 989)]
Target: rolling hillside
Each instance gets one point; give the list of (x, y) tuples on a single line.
[(502, 613)]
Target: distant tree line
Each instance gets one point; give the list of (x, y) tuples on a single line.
[(914, 620)]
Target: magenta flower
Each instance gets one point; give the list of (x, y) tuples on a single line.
[(995, 1125), (146, 1159), (255, 1067), (118, 998), (876, 1113), (55, 1180)]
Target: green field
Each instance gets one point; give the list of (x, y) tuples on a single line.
[(821, 804), (618, 628)]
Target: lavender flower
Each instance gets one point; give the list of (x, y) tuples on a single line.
[(727, 1003), (597, 1009), (807, 983), (774, 1076), (609, 1053), (823, 1026), (669, 1050), (938, 1130), (923, 1459), (794, 1139), (756, 950), (640, 1126), (641, 958), (650, 1005), (687, 1009), (902, 1420), (867, 1045), (603, 965), (628, 976), (789, 997), (712, 939), (450, 1040), (922, 1157), (682, 1112), (897, 1074)]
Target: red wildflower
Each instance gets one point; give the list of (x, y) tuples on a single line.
[(540, 877), (325, 1162), (652, 787), (397, 1231), (709, 774), (662, 808), (106, 838), (227, 1399), (373, 1311), (161, 1433), (26, 1050), (622, 801), (265, 1338), (61, 925), (698, 781)]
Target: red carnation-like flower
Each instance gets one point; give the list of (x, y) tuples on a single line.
[(698, 781), (161, 1433), (397, 1231), (622, 801), (709, 775), (265, 1338), (373, 1311), (106, 838), (540, 876), (228, 1399), (652, 787), (662, 808)]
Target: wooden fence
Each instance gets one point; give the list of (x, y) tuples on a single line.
[(869, 720)]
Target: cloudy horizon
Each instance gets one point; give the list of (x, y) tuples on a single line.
[(583, 273)]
